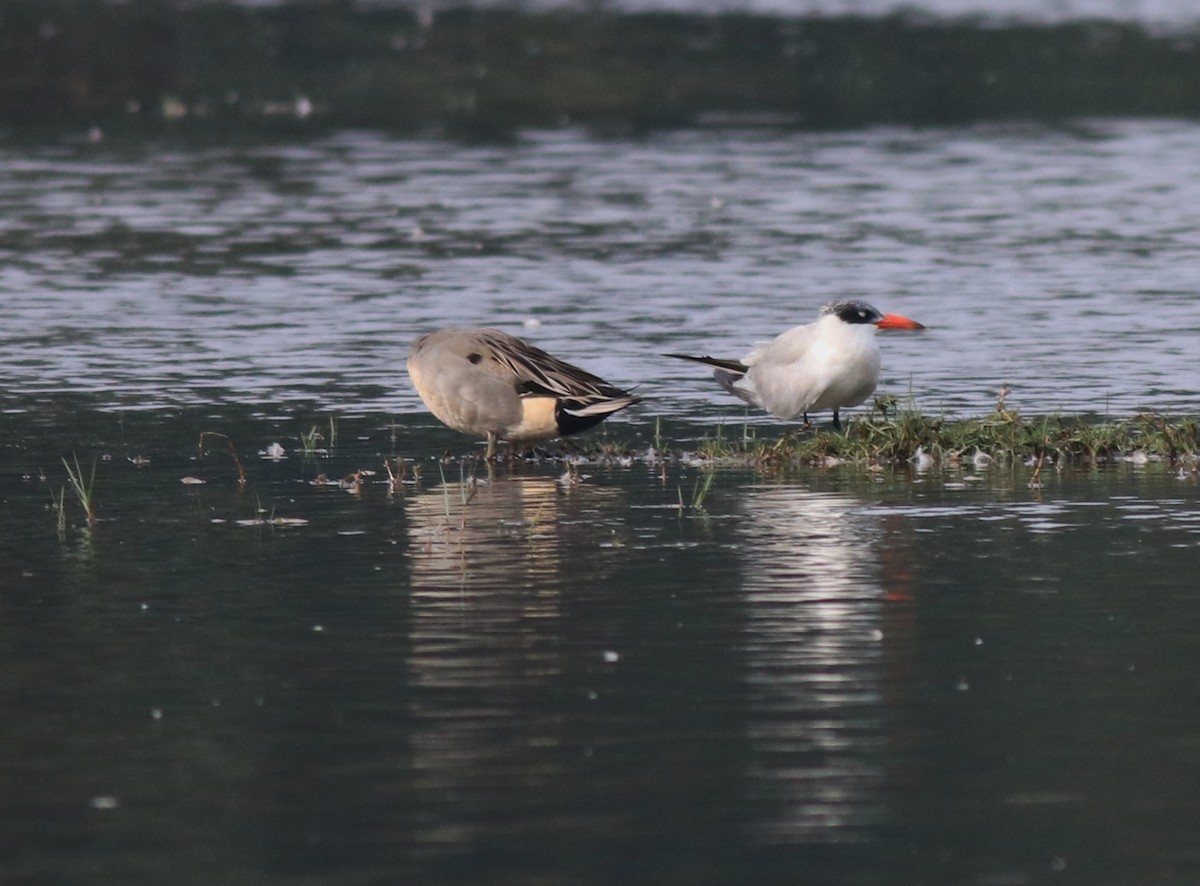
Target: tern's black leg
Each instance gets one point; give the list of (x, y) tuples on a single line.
[(837, 423)]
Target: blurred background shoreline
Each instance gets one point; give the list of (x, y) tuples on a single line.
[(102, 68)]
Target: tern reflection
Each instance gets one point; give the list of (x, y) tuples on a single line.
[(816, 593)]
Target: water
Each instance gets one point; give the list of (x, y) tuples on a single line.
[(1057, 261), (1163, 13), (836, 675)]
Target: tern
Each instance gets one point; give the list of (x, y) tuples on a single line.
[(831, 363), (488, 383)]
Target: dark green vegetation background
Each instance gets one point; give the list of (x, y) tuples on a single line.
[(490, 72)]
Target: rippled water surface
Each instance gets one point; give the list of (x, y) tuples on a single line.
[(597, 670), (1061, 262)]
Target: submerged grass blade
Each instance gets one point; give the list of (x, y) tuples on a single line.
[(232, 451), (59, 503)]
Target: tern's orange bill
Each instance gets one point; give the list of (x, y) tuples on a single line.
[(895, 321)]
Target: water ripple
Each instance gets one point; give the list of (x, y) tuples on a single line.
[(1060, 262)]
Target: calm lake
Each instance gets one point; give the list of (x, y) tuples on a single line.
[(590, 670)]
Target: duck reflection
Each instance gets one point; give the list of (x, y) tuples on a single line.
[(490, 562), (818, 628), (489, 558), (483, 535)]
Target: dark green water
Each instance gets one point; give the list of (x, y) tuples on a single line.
[(827, 675), (216, 68), (820, 676)]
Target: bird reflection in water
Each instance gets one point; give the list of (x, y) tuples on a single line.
[(820, 633), (501, 548), (489, 564), (483, 534)]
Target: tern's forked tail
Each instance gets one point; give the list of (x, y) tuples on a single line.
[(736, 366), (727, 373)]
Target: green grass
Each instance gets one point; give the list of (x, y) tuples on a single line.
[(311, 440), (700, 491), (886, 436)]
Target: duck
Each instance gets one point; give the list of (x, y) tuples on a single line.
[(493, 385)]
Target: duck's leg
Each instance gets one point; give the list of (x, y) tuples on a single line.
[(491, 447)]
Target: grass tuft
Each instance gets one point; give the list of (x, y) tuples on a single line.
[(309, 441), (887, 435), (701, 489), (82, 489)]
